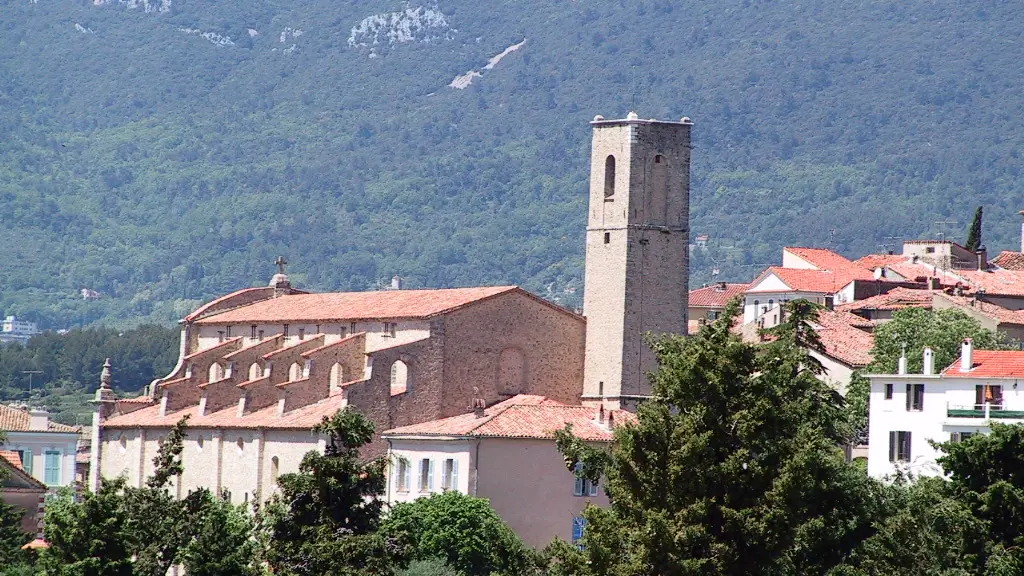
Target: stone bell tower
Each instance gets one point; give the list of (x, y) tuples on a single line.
[(637, 252)]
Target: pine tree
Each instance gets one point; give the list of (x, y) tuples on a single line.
[(326, 518), (732, 468), (974, 233)]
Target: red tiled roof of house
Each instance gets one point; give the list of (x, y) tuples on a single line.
[(715, 295), (299, 419), (821, 258), (873, 261), (993, 311), (895, 299), (990, 364), (995, 281), (17, 420), (1009, 260), (805, 280), (36, 544), (958, 245), (522, 416), (842, 340), (13, 457), (357, 305)]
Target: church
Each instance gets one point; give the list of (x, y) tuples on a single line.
[(258, 368)]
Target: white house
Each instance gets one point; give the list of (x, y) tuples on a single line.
[(46, 449), (908, 410), (507, 454)]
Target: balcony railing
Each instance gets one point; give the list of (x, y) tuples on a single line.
[(983, 411)]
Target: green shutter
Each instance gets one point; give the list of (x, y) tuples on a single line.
[(52, 468)]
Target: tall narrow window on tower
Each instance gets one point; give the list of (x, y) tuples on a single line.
[(609, 177), (657, 192)]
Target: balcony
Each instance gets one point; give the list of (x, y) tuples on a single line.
[(983, 412)]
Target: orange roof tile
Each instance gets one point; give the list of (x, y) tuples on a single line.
[(299, 419), (990, 364), (895, 299), (842, 340), (356, 305), (997, 313), (13, 457), (36, 544), (17, 420), (137, 400), (716, 295), (1009, 260), (995, 280), (821, 258), (804, 280), (873, 261), (522, 416)]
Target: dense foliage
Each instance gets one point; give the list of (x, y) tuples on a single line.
[(68, 366), (160, 167), (464, 532), (708, 479)]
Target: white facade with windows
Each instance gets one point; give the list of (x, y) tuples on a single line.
[(908, 411), (47, 449)]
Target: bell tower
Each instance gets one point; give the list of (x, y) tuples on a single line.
[(637, 252)]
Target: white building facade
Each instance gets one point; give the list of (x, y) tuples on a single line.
[(908, 411), (47, 449)]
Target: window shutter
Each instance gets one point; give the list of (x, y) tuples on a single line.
[(408, 477), (593, 488), (979, 396), (954, 437), (892, 446), (906, 451), (455, 475), (51, 472), (430, 476), (909, 394), (578, 487)]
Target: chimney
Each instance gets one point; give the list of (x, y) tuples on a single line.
[(396, 283), (38, 420), (721, 287), (929, 362), (903, 364), (982, 255), (611, 420), (479, 405), (967, 355), (600, 415)]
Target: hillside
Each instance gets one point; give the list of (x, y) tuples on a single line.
[(162, 152)]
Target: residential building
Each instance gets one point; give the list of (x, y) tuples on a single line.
[(505, 453), (46, 449), (14, 330), (706, 304), (19, 489), (908, 411)]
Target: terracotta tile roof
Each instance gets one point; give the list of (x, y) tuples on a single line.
[(990, 364), (138, 400), (13, 457), (895, 299), (356, 305), (36, 544), (344, 340), (842, 340), (213, 303), (17, 420), (821, 258), (715, 295), (522, 416), (805, 280), (995, 280), (997, 313), (299, 419), (1009, 260), (872, 261)]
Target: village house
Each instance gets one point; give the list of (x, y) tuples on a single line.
[(706, 304), (19, 489), (46, 450)]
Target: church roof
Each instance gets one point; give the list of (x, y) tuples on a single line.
[(356, 305), (302, 418)]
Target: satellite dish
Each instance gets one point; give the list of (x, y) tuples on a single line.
[(879, 273)]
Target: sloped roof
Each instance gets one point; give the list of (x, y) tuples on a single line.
[(842, 340), (715, 296), (13, 457), (821, 258), (990, 364), (356, 305), (805, 280), (995, 280), (873, 261), (997, 313), (16, 476), (895, 299), (299, 419), (522, 416), (1009, 260), (17, 420)]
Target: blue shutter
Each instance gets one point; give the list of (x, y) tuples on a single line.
[(52, 468), (579, 525)]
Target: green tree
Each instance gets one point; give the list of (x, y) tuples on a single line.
[(974, 232), (326, 518), (87, 538), (732, 468), (463, 531), (222, 543)]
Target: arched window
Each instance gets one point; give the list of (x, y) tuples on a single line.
[(400, 378), (255, 372), (275, 469), (609, 176), (295, 372), (511, 371), (657, 192), (337, 377), (771, 303), (216, 372), (757, 308)]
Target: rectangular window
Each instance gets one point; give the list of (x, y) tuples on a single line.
[(607, 237), (899, 446), (915, 397), (888, 391), (341, 331), (352, 328), (317, 328), (220, 335), (450, 475), (426, 475), (302, 333), (227, 331), (261, 335), (960, 436), (402, 478), (988, 394), (929, 250), (390, 328), (582, 486), (253, 332), (51, 472), (285, 330)]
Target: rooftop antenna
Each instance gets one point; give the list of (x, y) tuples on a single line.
[(831, 237), (633, 108)]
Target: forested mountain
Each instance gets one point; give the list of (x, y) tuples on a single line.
[(162, 152)]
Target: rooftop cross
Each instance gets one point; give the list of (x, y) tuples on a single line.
[(280, 264)]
